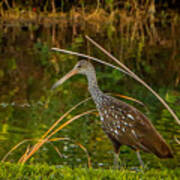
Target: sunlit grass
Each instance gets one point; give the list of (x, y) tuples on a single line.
[(36, 147), (97, 17), (46, 137), (44, 171)]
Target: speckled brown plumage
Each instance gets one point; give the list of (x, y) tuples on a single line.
[(124, 124)]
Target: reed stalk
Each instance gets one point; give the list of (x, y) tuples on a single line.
[(126, 71), (39, 144), (135, 77)]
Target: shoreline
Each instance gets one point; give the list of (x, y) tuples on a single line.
[(97, 16)]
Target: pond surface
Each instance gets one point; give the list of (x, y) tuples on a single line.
[(28, 69)]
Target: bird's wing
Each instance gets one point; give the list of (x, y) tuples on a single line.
[(133, 128), (127, 124)]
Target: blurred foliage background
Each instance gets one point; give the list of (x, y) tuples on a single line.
[(144, 35)]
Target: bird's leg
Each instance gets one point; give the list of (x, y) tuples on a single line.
[(116, 155), (116, 146), (116, 160), (139, 158)]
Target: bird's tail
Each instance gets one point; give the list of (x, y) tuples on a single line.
[(159, 147), (162, 150)]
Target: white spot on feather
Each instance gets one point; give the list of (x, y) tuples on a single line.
[(116, 132), (111, 129), (123, 129), (125, 123), (130, 116), (102, 119), (119, 127), (114, 123), (134, 133), (130, 125)]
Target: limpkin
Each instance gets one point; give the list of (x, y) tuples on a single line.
[(123, 123)]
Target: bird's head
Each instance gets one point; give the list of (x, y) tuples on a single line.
[(82, 67)]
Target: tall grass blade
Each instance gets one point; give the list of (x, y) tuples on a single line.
[(63, 116), (77, 143), (135, 77), (39, 144), (177, 140), (56, 149), (25, 154), (88, 156), (59, 120), (14, 148), (90, 57), (128, 98)]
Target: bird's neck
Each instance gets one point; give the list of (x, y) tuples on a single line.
[(93, 88)]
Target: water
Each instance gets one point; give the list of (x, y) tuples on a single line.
[(28, 69)]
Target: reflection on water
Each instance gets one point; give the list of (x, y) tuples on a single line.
[(28, 69)]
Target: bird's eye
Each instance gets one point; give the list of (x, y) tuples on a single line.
[(79, 66)]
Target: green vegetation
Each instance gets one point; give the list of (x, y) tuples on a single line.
[(144, 35), (28, 109), (44, 171)]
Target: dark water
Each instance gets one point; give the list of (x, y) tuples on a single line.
[(28, 69)]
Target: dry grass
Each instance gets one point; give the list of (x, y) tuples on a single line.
[(135, 77), (125, 70), (46, 137), (36, 147)]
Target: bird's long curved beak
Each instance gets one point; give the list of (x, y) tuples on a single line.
[(64, 78)]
